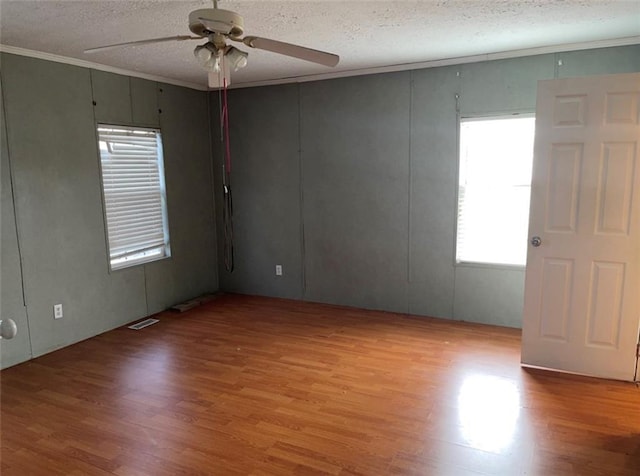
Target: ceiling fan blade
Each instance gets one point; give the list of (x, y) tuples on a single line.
[(307, 54), (143, 42)]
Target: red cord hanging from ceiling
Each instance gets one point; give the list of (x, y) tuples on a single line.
[(227, 212)]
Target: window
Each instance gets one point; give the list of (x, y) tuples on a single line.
[(496, 157), (134, 194)]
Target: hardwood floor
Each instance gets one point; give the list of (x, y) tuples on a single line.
[(257, 386)]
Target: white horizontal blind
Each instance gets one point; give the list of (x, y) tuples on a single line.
[(134, 195), (496, 158)]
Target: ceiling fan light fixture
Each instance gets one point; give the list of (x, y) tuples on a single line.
[(202, 54), (236, 57), (208, 56)]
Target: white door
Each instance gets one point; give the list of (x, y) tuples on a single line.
[(582, 289)]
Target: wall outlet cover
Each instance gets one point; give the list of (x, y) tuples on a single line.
[(57, 311), (278, 270)]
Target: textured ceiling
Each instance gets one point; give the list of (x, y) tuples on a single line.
[(365, 34)]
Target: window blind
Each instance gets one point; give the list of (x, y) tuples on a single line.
[(134, 196), (496, 156)]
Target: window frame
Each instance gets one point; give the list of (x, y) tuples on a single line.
[(166, 247), (496, 115)]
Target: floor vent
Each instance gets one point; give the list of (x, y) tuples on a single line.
[(142, 324)]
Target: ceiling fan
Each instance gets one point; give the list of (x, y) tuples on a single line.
[(216, 56)]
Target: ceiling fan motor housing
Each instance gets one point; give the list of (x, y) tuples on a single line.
[(218, 21)]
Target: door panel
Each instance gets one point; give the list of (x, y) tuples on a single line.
[(605, 306), (582, 289), (557, 277), (569, 110), (622, 108), (615, 188), (562, 187)]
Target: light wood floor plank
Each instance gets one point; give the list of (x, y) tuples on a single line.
[(258, 386)]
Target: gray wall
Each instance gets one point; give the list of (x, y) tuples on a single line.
[(266, 191), (52, 151), (355, 152), (11, 298), (351, 184)]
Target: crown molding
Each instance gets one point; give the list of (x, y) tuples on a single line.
[(14, 50), (562, 48)]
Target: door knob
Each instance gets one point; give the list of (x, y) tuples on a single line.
[(8, 329), (536, 241)]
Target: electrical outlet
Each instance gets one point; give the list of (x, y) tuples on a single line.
[(57, 311), (278, 270)]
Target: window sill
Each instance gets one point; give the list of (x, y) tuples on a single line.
[(508, 267), (138, 262)]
